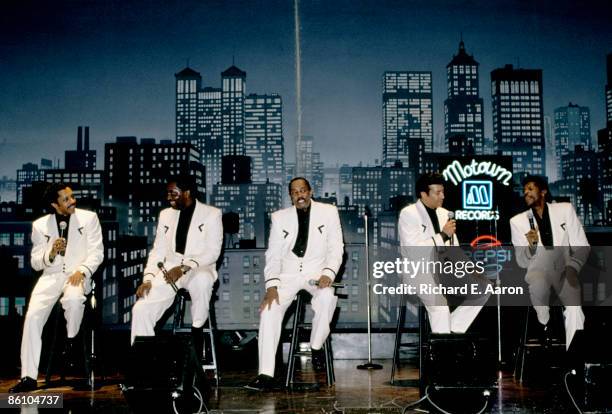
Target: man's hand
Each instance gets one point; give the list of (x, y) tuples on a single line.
[(270, 296), (59, 247), (450, 228), (143, 289), (76, 278), (324, 281), (174, 274), (532, 237)]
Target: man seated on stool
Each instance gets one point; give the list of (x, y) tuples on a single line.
[(67, 247), (424, 227), (187, 243), (305, 246), (551, 244)]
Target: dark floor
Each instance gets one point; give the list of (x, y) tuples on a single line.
[(355, 391)]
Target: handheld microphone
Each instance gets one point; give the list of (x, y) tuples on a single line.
[(161, 267), (451, 216), (62, 225), (531, 224), (313, 282)]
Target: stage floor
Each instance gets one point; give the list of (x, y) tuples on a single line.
[(355, 391)]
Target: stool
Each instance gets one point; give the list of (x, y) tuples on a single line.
[(89, 358), (525, 344), (298, 324), (178, 326), (423, 330)]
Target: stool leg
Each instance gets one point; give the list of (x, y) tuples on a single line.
[(294, 342), (520, 355), (213, 351), (52, 346), (401, 318), (329, 362), (422, 332)]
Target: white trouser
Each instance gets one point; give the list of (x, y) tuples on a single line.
[(570, 296), (441, 319), (147, 311), (270, 320), (47, 291)]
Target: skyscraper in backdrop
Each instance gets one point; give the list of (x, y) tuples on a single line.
[(518, 118), (407, 115), (463, 108)]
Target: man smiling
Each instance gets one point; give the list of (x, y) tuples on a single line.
[(67, 248), (551, 244), (304, 253), (187, 243)]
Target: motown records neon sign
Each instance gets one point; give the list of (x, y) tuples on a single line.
[(477, 195), (455, 172)]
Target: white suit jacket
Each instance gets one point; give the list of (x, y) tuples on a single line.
[(84, 251), (324, 250), (203, 246), (416, 228), (566, 231)]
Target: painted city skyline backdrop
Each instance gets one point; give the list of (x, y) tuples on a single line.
[(111, 65)]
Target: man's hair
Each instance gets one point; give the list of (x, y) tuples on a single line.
[(298, 178), (185, 182), (51, 193), (539, 182), (425, 180)]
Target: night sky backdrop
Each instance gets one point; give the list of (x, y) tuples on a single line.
[(111, 64)]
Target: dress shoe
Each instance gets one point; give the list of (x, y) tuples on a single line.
[(261, 383), (26, 384), (318, 360)]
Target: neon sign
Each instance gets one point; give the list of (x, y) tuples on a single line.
[(489, 250), (477, 195), (455, 172)]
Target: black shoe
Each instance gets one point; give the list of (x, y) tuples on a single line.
[(261, 383), (318, 360), (26, 384), (546, 338)]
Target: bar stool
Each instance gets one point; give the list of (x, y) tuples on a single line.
[(525, 343), (178, 326), (399, 330), (294, 353), (86, 340)]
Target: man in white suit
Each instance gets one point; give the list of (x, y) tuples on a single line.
[(67, 248), (187, 245), (305, 251), (425, 227), (551, 244)]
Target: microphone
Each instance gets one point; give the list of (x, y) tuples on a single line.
[(531, 224), (451, 216), (161, 267), (313, 282), (62, 225)]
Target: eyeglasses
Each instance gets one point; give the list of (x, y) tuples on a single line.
[(173, 194)]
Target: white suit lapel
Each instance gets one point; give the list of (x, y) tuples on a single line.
[(196, 225), (171, 229), (51, 232), (426, 224), (442, 217), (558, 225), (314, 226), (74, 233), (289, 229)]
